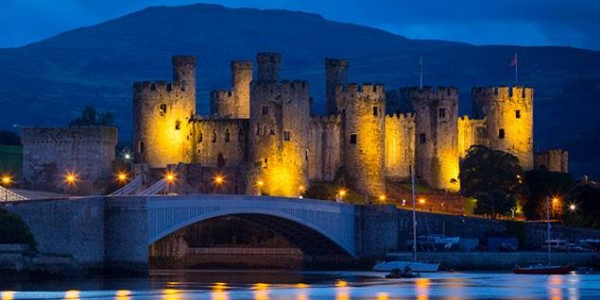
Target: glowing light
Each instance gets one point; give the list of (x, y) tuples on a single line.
[(127, 156), (554, 200), (123, 295), (302, 285), (342, 193), (6, 180), (261, 291), (341, 283), (260, 183), (72, 294), (219, 291), (170, 177), (341, 292), (422, 200), (70, 178), (382, 198), (302, 188), (171, 294), (7, 295), (122, 176), (422, 285), (382, 296), (282, 181), (572, 207), (219, 179)]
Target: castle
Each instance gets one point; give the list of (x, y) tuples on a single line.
[(262, 134)]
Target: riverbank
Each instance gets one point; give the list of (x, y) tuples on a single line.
[(18, 260), (500, 261)]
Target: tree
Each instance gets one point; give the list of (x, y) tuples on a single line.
[(492, 177), (541, 184), (91, 117), (14, 230), (587, 207), (9, 138)]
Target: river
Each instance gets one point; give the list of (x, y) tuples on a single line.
[(271, 285)]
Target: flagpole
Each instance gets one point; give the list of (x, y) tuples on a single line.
[(516, 69), (421, 72)]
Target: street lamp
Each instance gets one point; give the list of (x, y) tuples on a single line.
[(572, 207), (70, 178), (170, 178), (382, 198), (219, 180), (259, 185), (340, 195), (122, 177), (6, 181)]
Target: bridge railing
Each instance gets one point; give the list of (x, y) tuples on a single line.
[(156, 188), (128, 189), (240, 251), (8, 195)]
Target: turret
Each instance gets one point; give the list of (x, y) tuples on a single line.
[(509, 116), (364, 135), (241, 76), (184, 71), (436, 129), (268, 66), (337, 74)]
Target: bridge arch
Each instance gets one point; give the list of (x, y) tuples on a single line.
[(310, 224)]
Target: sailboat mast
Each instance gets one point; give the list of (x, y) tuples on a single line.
[(414, 214), (548, 229)]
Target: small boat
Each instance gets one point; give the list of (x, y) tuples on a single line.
[(543, 270), (388, 266), (404, 273)]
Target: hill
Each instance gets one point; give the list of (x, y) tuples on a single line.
[(49, 82)]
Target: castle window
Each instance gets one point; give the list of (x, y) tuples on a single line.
[(141, 147), (422, 138), (518, 113), (177, 125), (265, 110), (162, 109), (353, 138), (375, 111), (214, 137), (442, 113), (240, 136), (227, 137), (287, 135), (271, 131), (257, 129), (200, 137), (501, 133)]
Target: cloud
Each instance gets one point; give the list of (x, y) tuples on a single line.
[(532, 22)]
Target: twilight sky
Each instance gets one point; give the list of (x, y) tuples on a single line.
[(521, 22)]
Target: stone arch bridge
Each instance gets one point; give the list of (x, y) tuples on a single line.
[(115, 232)]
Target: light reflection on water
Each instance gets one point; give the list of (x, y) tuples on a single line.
[(312, 286)]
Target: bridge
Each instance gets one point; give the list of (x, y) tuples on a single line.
[(116, 231)]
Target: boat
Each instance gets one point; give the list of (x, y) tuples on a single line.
[(543, 270), (414, 265), (403, 273), (547, 269)]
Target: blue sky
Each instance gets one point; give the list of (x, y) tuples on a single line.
[(520, 22)]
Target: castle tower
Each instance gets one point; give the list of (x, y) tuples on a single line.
[(509, 117), (364, 137), (161, 116), (268, 66), (279, 133), (436, 128), (241, 76), (337, 74)]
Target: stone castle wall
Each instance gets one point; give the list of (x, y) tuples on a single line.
[(364, 142), (219, 142), (471, 132), (399, 145), (161, 116), (324, 148), (50, 153), (436, 124), (509, 119), (555, 160), (234, 103)]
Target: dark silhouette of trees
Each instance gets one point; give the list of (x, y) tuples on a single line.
[(90, 117), (9, 138), (540, 184), (493, 178)]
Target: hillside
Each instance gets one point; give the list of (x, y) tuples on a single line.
[(49, 82)]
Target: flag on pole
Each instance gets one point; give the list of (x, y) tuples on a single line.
[(514, 62)]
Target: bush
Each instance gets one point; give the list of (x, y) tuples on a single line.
[(13, 230)]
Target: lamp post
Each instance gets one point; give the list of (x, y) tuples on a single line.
[(259, 185), (170, 178), (219, 181), (70, 180), (6, 181)]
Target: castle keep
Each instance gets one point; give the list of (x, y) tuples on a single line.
[(262, 133)]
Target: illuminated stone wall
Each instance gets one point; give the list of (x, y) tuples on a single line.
[(234, 103), (50, 153), (399, 145), (555, 160), (161, 116), (364, 146), (219, 142), (324, 148), (278, 137), (509, 116), (471, 132), (436, 123)]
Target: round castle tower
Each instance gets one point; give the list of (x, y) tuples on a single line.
[(364, 137), (278, 133), (161, 116), (234, 103), (508, 112), (436, 129), (336, 74)]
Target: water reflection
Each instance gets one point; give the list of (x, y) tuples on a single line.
[(383, 296), (261, 291), (555, 287), (171, 294), (7, 295), (219, 291), (342, 290), (123, 295), (72, 294), (422, 288)]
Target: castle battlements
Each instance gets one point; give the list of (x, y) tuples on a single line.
[(503, 93), (326, 120), (299, 87), (366, 91), (401, 116), (242, 65), (431, 93), (222, 95), (336, 62), (149, 87)]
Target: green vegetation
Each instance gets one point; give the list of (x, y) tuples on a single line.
[(9, 138), (493, 178), (328, 191), (14, 230), (91, 117), (11, 159)]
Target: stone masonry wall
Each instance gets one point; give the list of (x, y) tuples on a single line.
[(399, 145), (324, 148)]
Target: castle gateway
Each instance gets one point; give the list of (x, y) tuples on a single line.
[(262, 135)]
